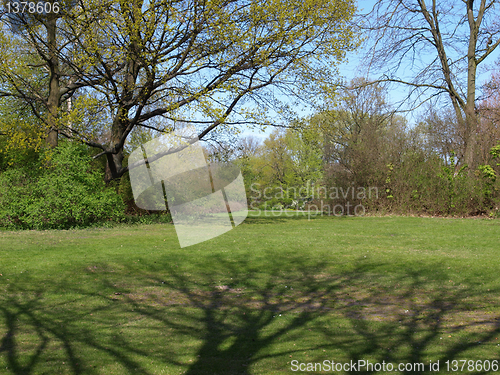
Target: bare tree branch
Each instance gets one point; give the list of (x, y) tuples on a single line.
[(456, 36)]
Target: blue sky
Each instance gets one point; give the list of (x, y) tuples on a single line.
[(351, 69)]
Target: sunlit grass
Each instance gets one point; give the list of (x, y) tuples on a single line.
[(273, 290)]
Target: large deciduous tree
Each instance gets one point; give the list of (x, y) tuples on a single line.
[(435, 47), (212, 64)]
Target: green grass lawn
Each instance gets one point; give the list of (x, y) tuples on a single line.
[(128, 300)]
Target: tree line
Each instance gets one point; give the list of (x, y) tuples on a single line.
[(363, 153), (108, 76)]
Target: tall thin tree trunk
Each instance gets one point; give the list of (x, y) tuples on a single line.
[(470, 105), (54, 92)]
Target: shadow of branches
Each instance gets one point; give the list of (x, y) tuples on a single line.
[(158, 318)]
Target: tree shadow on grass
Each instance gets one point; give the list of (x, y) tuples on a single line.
[(156, 318)]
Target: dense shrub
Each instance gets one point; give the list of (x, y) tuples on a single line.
[(425, 184), (57, 190), (421, 183)]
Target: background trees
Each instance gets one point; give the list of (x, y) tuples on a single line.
[(363, 146), (441, 44), (489, 125)]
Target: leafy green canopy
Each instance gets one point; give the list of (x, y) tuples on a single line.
[(214, 63)]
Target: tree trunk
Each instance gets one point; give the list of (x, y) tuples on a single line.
[(120, 127), (114, 166), (470, 105), (54, 92), (114, 161), (470, 140)]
